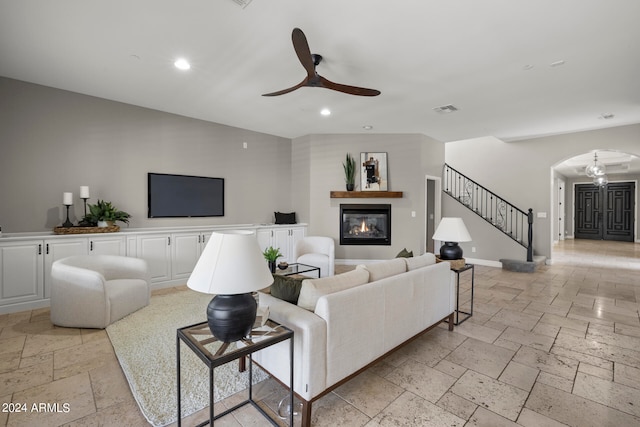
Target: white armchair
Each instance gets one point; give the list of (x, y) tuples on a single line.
[(96, 290), (317, 251)]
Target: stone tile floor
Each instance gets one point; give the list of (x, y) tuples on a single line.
[(560, 346)]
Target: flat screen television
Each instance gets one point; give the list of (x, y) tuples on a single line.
[(173, 196)]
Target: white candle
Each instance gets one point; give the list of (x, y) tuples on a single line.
[(67, 199), (84, 192)]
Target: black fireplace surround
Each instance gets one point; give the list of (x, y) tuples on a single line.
[(365, 224)]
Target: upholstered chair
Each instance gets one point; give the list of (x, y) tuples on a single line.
[(317, 251), (94, 291)]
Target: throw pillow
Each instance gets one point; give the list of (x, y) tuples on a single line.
[(286, 288), (404, 254), (313, 289), (285, 218)]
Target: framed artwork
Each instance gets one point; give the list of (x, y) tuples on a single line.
[(373, 171)]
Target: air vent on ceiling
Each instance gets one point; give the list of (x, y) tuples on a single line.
[(242, 3), (445, 109)]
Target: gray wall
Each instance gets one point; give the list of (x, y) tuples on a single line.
[(54, 141), (521, 171), (409, 158)]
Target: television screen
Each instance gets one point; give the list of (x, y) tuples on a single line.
[(184, 196)]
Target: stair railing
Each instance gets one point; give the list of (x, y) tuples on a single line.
[(504, 216)]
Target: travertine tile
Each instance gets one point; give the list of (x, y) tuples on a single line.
[(109, 385), (369, 393), (553, 319), (551, 363), (574, 410), (516, 319), (520, 376), (422, 380), (627, 375), (410, 410), (82, 358), (331, 411), (496, 396), (26, 378), (478, 332), (450, 368), (531, 339), (528, 418), (457, 405), (605, 374), (485, 418), (615, 395), (481, 357), (595, 348), (54, 339)]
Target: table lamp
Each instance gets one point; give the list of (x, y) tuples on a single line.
[(232, 267), (451, 231)]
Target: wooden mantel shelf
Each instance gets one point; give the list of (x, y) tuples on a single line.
[(365, 194)]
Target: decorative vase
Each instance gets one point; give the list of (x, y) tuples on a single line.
[(272, 266), (103, 224), (283, 265), (350, 187)]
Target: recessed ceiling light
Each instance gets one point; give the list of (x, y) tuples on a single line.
[(557, 63), (182, 64), (367, 127), (325, 112), (527, 67)]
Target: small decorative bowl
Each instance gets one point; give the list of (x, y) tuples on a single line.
[(283, 265)]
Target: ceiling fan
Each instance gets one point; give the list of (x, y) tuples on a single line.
[(309, 61)]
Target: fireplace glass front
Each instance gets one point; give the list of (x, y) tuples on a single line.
[(365, 224)]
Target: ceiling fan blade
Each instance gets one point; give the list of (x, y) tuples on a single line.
[(301, 46), (291, 89), (352, 90)]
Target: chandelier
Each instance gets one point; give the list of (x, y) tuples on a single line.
[(597, 172)]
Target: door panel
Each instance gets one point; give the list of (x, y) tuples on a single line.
[(605, 213)]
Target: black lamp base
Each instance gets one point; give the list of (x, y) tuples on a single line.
[(231, 317), (450, 251)]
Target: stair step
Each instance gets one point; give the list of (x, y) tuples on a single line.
[(521, 266)]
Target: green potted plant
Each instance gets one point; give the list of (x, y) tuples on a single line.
[(349, 172), (271, 254), (104, 214)]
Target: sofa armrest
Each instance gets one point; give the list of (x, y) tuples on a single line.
[(310, 344)]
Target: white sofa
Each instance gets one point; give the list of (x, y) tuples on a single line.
[(93, 291), (353, 319)]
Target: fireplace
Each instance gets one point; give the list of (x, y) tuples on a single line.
[(365, 224)]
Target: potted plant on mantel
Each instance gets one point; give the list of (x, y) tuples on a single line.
[(104, 214), (271, 254), (350, 172)]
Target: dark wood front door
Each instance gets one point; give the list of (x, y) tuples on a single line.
[(605, 213)]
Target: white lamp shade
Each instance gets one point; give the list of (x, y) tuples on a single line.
[(452, 230), (231, 263)]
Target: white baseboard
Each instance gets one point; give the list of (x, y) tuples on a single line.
[(485, 262)]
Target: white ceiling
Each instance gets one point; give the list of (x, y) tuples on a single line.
[(614, 162), (420, 54)]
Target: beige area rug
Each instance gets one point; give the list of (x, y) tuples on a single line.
[(145, 344)]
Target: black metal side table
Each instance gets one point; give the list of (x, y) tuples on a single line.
[(459, 271), (201, 341)]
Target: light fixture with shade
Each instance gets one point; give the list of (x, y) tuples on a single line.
[(451, 231), (231, 267)]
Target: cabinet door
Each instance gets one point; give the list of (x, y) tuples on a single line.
[(281, 240), (58, 249), (21, 272), (296, 234), (107, 246), (155, 249), (264, 237), (185, 252)]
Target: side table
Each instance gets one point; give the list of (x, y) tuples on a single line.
[(201, 341), (459, 271)]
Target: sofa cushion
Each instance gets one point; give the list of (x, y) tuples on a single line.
[(380, 270), (420, 261), (312, 289), (286, 288)]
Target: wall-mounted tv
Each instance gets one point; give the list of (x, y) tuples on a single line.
[(173, 196)]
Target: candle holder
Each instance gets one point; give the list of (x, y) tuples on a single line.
[(67, 223), (85, 204)]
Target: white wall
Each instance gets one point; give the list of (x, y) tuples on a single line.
[(54, 141)]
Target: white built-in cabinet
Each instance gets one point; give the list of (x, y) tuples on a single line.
[(171, 255), (283, 238)]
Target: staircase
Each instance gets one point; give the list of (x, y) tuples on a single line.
[(508, 219)]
